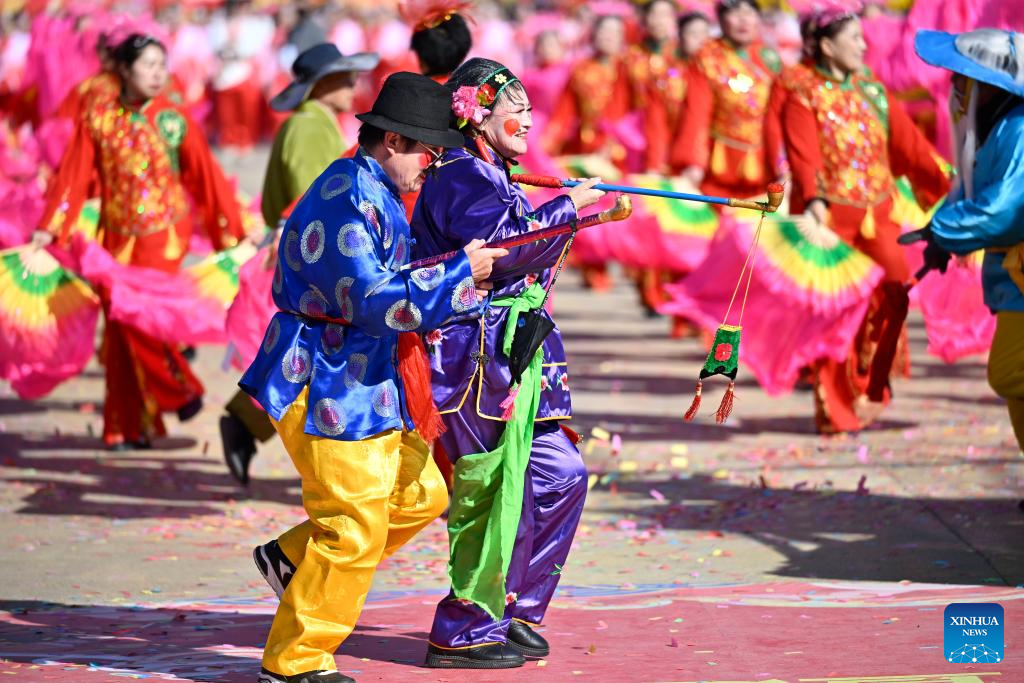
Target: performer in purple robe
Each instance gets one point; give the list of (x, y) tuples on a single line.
[(519, 481)]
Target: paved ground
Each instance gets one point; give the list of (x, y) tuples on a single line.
[(755, 551)]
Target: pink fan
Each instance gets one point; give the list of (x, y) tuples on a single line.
[(253, 307), (956, 319), (48, 317)]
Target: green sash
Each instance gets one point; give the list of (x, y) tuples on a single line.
[(487, 499)]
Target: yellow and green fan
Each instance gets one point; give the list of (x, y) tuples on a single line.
[(48, 315), (88, 222), (216, 276), (685, 229), (810, 264), (905, 210), (589, 166)]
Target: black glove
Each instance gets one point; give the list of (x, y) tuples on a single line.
[(935, 257)]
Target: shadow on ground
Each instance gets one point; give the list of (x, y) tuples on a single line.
[(844, 535), (187, 644), (144, 483)]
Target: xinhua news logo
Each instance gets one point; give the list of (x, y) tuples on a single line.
[(974, 632)]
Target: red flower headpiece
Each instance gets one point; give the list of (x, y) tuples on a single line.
[(470, 104), (425, 14)]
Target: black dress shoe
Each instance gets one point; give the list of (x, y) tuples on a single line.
[(308, 677), (190, 409), (239, 447), (126, 446), (526, 640), (487, 656)]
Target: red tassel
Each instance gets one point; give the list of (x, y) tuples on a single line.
[(725, 408), (414, 368), (509, 404), (574, 436), (695, 406)]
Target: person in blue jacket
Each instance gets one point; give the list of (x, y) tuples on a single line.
[(985, 210), (344, 376)]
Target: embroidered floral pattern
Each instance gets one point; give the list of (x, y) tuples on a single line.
[(343, 296), (313, 303), (403, 316), (328, 417), (355, 370), (272, 335), (278, 281), (292, 251), (740, 88), (428, 278), (353, 240), (295, 365), (313, 242), (464, 296), (433, 341), (855, 140), (332, 338), (335, 185), (385, 400), (401, 253)]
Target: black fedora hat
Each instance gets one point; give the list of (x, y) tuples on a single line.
[(417, 107), (313, 64)]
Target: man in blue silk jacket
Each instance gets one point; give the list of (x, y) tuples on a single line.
[(345, 378)]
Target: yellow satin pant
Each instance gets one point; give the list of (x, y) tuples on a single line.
[(364, 500), (1006, 367)]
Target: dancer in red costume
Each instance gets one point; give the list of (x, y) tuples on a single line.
[(846, 139), (578, 125), (719, 144), (150, 158)]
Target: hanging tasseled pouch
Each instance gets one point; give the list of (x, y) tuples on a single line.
[(723, 359)]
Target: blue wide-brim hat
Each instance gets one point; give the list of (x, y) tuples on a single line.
[(939, 48), (316, 63)]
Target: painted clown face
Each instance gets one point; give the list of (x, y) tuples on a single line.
[(509, 123)]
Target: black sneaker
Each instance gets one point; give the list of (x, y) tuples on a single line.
[(526, 640), (487, 656), (239, 447), (308, 677), (274, 565)]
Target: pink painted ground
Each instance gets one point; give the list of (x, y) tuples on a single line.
[(788, 632)]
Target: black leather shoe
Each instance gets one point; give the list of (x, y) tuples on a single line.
[(239, 447), (488, 656), (526, 640), (308, 677), (126, 446), (190, 409)]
